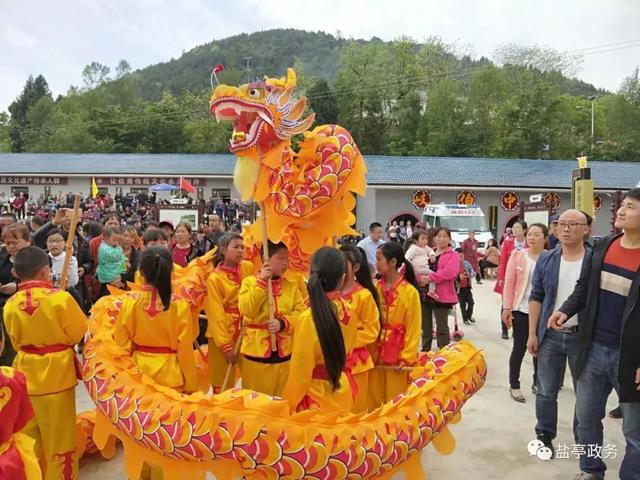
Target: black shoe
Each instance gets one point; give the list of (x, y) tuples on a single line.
[(616, 412), (479, 282), (466, 322), (472, 320), (534, 389), (546, 439), (505, 335)]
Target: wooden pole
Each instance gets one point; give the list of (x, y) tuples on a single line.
[(265, 255), (69, 247), (232, 366)]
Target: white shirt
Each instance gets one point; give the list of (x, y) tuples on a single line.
[(567, 278), (57, 263), (524, 303)]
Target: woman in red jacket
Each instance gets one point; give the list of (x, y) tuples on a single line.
[(517, 242), (446, 269)]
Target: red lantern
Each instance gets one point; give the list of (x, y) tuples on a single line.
[(509, 201), (466, 197), (421, 198)]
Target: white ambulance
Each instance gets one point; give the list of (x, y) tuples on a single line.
[(459, 219)]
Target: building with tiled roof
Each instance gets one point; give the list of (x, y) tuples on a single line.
[(394, 182)]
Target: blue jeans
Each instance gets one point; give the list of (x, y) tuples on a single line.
[(599, 377), (556, 349), (630, 468)]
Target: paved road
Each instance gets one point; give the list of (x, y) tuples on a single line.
[(493, 434)]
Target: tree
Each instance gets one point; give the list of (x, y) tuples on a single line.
[(323, 102), (123, 68), (95, 74), (540, 58), (5, 141), (32, 92), (630, 87)]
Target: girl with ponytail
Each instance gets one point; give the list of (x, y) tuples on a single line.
[(221, 305), (401, 318), (325, 334), (156, 328), (265, 363), (360, 291)]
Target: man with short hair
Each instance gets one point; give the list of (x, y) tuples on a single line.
[(608, 294), (552, 239), (371, 243), (554, 278)]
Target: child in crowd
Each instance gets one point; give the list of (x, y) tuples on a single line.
[(421, 256), (56, 246), (325, 333), (465, 294), (265, 363), (361, 293), (112, 261), (44, 324), (221, 305), (401, 327)]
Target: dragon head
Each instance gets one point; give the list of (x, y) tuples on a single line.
[(262, 112)]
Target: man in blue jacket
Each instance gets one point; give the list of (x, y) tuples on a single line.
[(554, 279), (608, 294)]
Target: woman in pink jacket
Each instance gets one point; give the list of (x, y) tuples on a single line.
[(446, 269), (515, 301)]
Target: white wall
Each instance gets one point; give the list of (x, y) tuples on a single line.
[(383, 204)]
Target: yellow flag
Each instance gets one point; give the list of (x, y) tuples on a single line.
[(94, 187)]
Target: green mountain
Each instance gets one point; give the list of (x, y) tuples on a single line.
[(315, 54)]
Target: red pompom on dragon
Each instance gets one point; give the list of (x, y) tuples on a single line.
[(306, 191)]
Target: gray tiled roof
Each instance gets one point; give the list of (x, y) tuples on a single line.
[(383, 170)]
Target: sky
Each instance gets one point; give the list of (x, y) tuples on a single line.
[(58, 38)]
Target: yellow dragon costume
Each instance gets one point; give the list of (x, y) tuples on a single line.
[(308, 199), (306, 190)]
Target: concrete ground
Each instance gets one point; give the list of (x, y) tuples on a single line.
[(494, 432)]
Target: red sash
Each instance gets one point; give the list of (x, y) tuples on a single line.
[(54, 348), (320, 373), (358, 355), (394, 344), (151, 349)]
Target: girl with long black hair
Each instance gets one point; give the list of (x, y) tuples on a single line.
[(221, 305), (401, 319), (360, 291), (324, 336)]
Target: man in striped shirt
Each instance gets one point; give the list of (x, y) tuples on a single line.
[(607, 294)]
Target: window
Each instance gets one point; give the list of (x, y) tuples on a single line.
[(138, 190), (18, 190), (200, 193), (221, 193)]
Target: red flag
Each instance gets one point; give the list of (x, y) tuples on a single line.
[(186, 186)]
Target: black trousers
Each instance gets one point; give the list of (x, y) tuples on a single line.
[(441, 314), (465, 299), (520, 336), (484, 264)]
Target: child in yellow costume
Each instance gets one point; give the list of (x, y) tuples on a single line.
[(221, 305), (265, 367), (361, 293), (401, 328), (44, 324), (157, 329), (323, 337), (151, 238), (18, 460)]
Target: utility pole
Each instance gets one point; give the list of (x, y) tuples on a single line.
[(593, 125), (248, 59)]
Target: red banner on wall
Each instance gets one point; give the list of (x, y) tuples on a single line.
[(421, 198), (147, 181), (509, 201), (466, 197), (20, 180)]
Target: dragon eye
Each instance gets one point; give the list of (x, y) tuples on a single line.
[(255, 93)]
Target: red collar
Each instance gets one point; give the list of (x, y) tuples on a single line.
[(349, 293), (335, 295), (36, 284)]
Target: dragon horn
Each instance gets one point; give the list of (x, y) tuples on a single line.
[(297, 110), (291, 79), (304, 125)]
